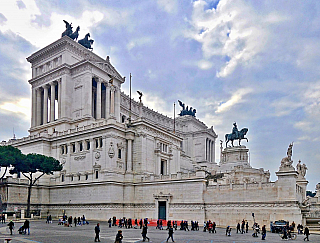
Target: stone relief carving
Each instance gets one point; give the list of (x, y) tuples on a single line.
[(111, 150), (97, 155), (81, 157)]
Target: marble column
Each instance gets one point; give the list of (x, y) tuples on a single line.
[(129, 155), (107, 101), (59, 98), (45, 104), (52, 100), (98, 100), (117, 104), (34, 108), (38, 112), (112, 100)]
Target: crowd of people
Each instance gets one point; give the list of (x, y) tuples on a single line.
[(171, 225)]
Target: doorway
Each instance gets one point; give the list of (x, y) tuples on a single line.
[(162, 210)]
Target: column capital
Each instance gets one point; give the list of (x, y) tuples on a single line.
[(53, 83)]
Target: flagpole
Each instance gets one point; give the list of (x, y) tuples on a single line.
[(130, 102), (174, 117)]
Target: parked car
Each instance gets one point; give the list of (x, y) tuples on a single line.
[(277, 226)]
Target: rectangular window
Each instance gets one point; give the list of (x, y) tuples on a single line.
[(73, 147), (97, 174), (80, 146), (97, 143), (62, 149), (87, 177), (79, 178), (100, 140), (119, 153), (66, 148), (71, 178), (88, 145), (62, 178)]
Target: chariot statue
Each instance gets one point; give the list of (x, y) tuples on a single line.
[(236, 135), (186, 111), (68, 31)]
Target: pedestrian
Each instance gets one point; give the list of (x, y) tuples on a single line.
[(306, 233), (247, 227), (97, 232), (238, 228), (119, 237), (109, 222), (170, 233), (75, 221), (264, 232), (228, 231), (70, 221), (11, 226), (26, 226), (144, 233), (214, 227), (50, 219), (243, 223)]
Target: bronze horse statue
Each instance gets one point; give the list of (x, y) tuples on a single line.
[(232, 136), (75, 35), (68, 30), (86, 42)]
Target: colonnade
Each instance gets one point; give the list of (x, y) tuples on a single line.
[(209, 150), (105, 99), (43, 113)]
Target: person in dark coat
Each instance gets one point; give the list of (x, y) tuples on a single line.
[(170, 232), (263, 233), (306, 233), (97, 232), (119, 237), (11, 225), (26, 226), (144, 233)]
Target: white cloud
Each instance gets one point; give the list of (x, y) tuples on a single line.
[(20, 106), (138, 42), (20, 21), (235, 99), (233, 30), (170, 6)]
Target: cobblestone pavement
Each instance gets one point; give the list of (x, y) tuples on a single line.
[(53, 233)]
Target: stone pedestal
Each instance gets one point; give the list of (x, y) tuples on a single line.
[(234, 156), (301, 181), (287, 180)]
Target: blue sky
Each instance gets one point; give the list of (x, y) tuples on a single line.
[(253, 62)]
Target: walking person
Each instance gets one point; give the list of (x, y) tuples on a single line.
[(170, 233), (264, 232), (26, 227), (144, 233), (97, 232), (306, 233), (119, 237), (11, 226), (238, 228), (75, 221), (247, 227)]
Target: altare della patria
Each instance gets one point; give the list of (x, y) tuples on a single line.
[(122, 159)]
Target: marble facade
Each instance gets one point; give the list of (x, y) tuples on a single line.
[(112, 168)]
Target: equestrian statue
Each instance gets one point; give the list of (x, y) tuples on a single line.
[(236, 135)]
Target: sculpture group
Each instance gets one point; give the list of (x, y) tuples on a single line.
[(74, 35), (186, 111), (236, 135)]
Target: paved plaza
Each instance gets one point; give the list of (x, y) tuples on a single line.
[(54, 233)]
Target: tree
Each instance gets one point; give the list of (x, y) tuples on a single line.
[(9, 156), (33, 167)]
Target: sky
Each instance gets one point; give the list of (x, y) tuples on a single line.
[(251, 62)]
